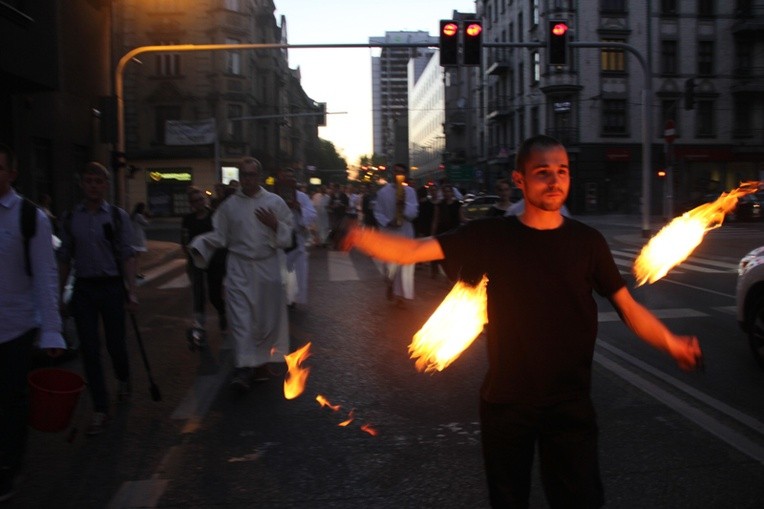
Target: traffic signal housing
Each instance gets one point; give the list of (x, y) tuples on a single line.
[(473, 42), (557, 42), (449, 42)]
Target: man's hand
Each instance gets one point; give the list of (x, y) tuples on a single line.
[(686, 352), (267, 217)]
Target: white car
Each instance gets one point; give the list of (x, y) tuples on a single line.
[(750, 301)]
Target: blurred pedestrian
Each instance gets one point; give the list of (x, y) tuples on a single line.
[(28, 313), (255, 225), (396, 207), (139, 219), (304, 215), (369, 197), (504, 190), (542, 324), (320, 202), (97, 243), (337, 207), (205, 283)]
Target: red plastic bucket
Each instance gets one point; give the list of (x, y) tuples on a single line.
[(53, 396)]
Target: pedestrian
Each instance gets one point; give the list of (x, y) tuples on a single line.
[(367, 205), (504, 190), (320, 202), (337, 207), (542, 269), (205, 283), (255, 225), (396, 207), (96, 243), (139, 219), (354, 202), (28, 314), (304, 214)]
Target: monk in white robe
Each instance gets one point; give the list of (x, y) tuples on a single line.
[(254, 225)]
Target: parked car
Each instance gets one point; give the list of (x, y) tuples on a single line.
[(750, 301), (748, 209), (479, 206)]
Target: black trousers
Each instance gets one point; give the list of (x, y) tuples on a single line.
[(566, 435)]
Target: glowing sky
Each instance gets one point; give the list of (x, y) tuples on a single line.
[(342, 77)]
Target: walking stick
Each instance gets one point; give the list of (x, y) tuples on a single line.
[(155, 394)]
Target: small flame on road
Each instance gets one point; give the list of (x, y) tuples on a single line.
[(351, 418), (297, 376), (368, 429), (678, 239), (325, 403), (452, 327)]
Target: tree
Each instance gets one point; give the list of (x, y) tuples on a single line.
[(331, 167)]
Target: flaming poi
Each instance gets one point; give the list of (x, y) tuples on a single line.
[(297, 375), (678, 239), (452, 327)]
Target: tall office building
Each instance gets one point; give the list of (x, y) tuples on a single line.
[(390, 93)]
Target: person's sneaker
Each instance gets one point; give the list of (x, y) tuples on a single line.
[(124, 390), (261, 374), (242, 379), (97, 424)]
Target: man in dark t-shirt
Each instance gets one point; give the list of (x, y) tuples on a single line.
[(199, 221), (542, 270)]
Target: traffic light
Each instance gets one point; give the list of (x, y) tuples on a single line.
[(473, 42), (557, 43), (689, 94), (449, 42), (321, 114)]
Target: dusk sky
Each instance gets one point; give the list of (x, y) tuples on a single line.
[(342, 77)]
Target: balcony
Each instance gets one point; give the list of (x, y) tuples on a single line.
[(500, 63), (498, 110)]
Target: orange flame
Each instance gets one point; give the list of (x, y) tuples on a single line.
[(368, 429), (325, 403), (294, 382), (351, 418), (678, 239), (452, 327)]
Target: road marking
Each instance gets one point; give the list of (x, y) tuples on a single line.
[(705, 261), (161, 270), (612, 316), (730, 310), (340, 267), (698, 288), (181, 281), (746, 446)]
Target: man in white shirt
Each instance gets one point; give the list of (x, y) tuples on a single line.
[(28, 311)]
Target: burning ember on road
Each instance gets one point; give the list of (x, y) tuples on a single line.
[(678, 239), (368, 429), (294, 382), (452, 327), (325, 403), (351, 418)]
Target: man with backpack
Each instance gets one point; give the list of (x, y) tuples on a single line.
[(96, 243), (28, 311)]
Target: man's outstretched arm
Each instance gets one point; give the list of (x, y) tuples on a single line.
[(391, 248), (684, 349)]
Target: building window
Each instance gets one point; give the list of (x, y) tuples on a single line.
[(705, 58), (535, 121), (613, 6), (668, 57), (744, 8), (534, 8), (668, 7), (536, 75), (521, 124), (520, 80), (706, 8), (613, 116), (612, 59), (704, 122), (743, 57), (161, 115), (520, 35), (233, 58), (235, 128), (743, 112), (167, 64)]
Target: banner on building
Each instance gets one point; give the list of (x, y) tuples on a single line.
[(189, 132)]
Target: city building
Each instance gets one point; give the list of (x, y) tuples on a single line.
[(705, 63), (389, 85), (190, 116)]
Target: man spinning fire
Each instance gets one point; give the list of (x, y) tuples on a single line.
[(542, 268)]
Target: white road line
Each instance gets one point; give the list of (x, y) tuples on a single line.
[(738, 441), (161, 270), (698, 288), (705, 261), (612, 316), (341, 267), (730, 310)]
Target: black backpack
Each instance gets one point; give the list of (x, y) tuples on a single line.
[(28, 229)]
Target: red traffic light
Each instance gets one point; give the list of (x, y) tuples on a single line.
[(559, 29), (473, 29), (450, 29)]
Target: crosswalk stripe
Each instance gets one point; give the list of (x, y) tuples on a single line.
[(728, 267), (161, 270), (340, 267), (612, 316), (731, 310)]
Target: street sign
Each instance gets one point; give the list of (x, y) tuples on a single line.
[(669, 131)]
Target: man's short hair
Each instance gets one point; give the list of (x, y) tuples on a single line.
[(246, 161), (10, 156), (95, 168), (400, 167), (538, 142)]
